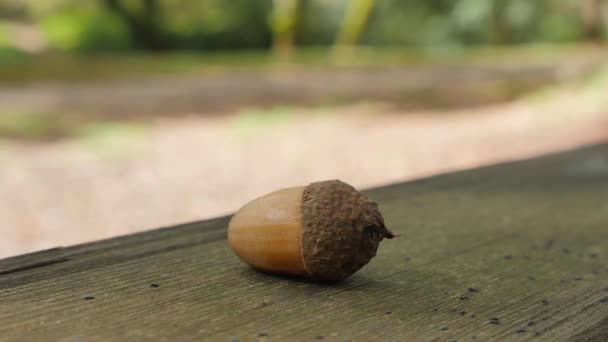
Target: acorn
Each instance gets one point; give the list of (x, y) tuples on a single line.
[(325, 231)]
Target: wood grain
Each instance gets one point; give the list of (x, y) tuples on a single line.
[(511, 252)]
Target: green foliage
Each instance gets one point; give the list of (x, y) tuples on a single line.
[(8, 53), (218, 24), (470, 21), (465, 22), (4, 41), (321, 22), (560, 28), (74, 25), (85, 31)]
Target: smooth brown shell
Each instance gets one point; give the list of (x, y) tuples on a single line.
[(266, 232)]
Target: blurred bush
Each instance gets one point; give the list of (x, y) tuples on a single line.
[(86, 31), (237, 24), (217, 24), (8, 52)]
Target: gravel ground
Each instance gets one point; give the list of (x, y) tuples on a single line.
[(180, 170)]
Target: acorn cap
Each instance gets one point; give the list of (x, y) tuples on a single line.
[(341, 230)]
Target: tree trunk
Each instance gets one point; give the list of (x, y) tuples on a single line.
[(593, 19), (354, 23), (286, 21), (501, 31)]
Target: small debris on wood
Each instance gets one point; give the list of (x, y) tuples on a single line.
[(320, 337), (154, 285), (262, 334), (388, 312), (578, 278), (464, 298), (472, 289), (546, 302), (462, 313), (604, 300), (494, 320), (521, 331), (89, 298), (444, 328), (531, 323)]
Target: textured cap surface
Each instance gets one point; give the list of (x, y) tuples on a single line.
[(341, 230)]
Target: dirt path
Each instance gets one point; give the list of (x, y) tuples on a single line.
[(199, 167), (413, 86)]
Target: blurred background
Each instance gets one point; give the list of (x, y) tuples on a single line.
[(119, 116)]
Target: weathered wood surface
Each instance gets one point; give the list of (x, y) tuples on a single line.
[(511, 252)]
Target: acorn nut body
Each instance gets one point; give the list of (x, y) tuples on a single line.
[(325, 231)]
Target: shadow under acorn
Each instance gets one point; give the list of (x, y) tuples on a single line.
[(356, 281)]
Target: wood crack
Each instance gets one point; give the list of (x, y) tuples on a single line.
[(36, 265)]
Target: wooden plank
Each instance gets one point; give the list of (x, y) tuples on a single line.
[(516, 251)]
